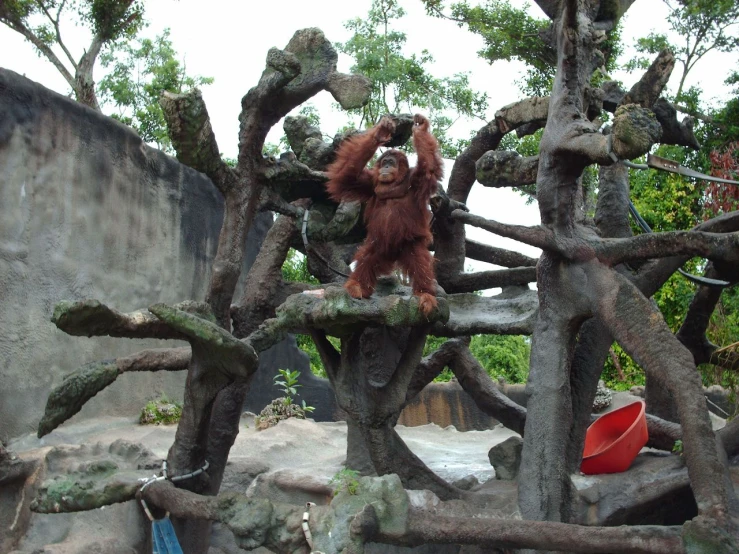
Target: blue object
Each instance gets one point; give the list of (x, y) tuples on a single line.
[(163, 538)]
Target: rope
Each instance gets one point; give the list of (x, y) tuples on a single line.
[(306, 528), (163, 477)]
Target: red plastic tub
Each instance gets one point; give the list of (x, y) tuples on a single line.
[(614, 439)]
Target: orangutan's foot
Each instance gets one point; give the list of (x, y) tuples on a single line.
[(355, 289), (426, 303)]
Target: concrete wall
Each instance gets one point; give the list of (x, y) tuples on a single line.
[(89, 211)]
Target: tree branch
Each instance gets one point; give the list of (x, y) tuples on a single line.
[(88, 318), (433, 364), (496, 256), (192, 136), (504, 168), (434, 528), (512, 312), (538, 236), (264, 280), (718, 247), (478, 384), (84, 383), (20, 28), (482, 280)]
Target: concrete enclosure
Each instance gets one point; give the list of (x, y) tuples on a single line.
[(87, 210)]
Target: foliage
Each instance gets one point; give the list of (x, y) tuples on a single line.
[(723, 198), (287, 382), (725, 128), (111, 22), (345, 480), (510, 33), (677, 448), (403, 83), (139, 71), (283, 408), (306, 344), (633, 374), (702, 25), (295, 268), (160, 412), (502, 356), (669, 202)]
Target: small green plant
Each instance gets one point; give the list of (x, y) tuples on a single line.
[(161, 411), (345, 480), (283, 408), (307, 409), (677, 448), (287, 381)]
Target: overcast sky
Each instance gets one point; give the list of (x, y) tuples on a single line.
[(229, 40)]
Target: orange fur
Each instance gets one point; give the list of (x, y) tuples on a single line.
[(396, 214)]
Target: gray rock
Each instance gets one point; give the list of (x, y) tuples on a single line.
[(466, 483), (603, 397), (506, 458)]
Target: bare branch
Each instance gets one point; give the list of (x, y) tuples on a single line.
[(434, 528), (88, 318), (478, 384), (260, 297), (433, 364), (538, 236), (192, 136), (84, 383), (496, 256), (482, 280), (720, 247), (649, 88), (19, 27)]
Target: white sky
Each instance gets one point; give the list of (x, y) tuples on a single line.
[(229, 40)]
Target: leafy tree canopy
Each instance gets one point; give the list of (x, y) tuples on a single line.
[(403, 83), (511, 33), (139, 71)]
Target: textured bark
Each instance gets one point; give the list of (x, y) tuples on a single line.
[(79, 386), (433, 364), (575, 283), (306, 66), (264, 282), (622, 310), (496, 256), (478, 384), (371, 377), (88, 318), (449, 239), (506, 169), (482, 280), (192, 136), (13, 468), (649, 88), (428, 528)]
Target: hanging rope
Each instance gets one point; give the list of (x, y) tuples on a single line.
[(306, 528), (163, 537)]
